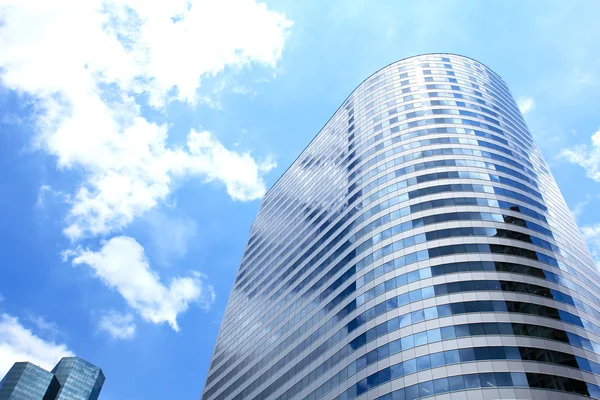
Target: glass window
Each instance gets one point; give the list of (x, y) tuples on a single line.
[(451, 356), (361, 387), (417, 316), (476, 329), (512, 353), (456, 383), (398, 395), (481, 353), (372, 357), (447, 332), (440, 385), (487, 380), (423, 362), (426, 388), (472, 381), (420, 338), (361, 362), (408, 342), (503, 379), (409, 366), (396, 371), (437, 359), (433, 335), (412, 392), (466, 355)]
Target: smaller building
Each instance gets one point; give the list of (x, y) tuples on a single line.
[(27, 381), (71, 379), (78, 379)]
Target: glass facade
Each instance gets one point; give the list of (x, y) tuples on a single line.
[(78, 379), (419, 246), (71, 379), (27, 381)]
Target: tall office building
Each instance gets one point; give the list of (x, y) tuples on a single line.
[(71, 379), (78, 379), (27, 381), (418, 247)]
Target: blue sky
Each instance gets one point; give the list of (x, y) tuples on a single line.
[(136, 142)]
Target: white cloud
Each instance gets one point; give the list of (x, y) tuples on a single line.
[(119, 326), (20, 344), (526, 104), (84, 83), (588, 157), (41, 199), (580, 77), (122, 265), (45, 191), (579, 208), (244, 90), (48, 328), (591, 234)]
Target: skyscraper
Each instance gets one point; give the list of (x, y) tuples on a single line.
[(78, 379), (418, 246), (71, 379), (27, 381)]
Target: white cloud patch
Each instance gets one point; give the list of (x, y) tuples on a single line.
[(18, 343), (48, 328), (41, 199), (84, 83), (47, 191), (118, 326), (579, 208), (244, 90), (526, 104), (586, 156), (584, 78), (122, 265), (591, 234)]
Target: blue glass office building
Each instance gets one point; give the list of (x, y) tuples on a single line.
[(27, 381), (78, 379), (418, 247), (71, 379)]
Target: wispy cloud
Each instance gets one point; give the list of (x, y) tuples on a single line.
[(584, 78), (243, 90), (49, 329), (578, 209), (526, 104), (118, 326), (122, 265), (586, 156), (591, 234), (18, 343), (46, 191)]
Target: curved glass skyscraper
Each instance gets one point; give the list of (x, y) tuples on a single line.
[(418, 247)]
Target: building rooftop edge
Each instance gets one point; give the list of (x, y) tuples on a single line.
[(354, 90)]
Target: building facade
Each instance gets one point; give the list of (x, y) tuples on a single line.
[(27, 381), (78, 379), (418, 247), (71, 379)]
